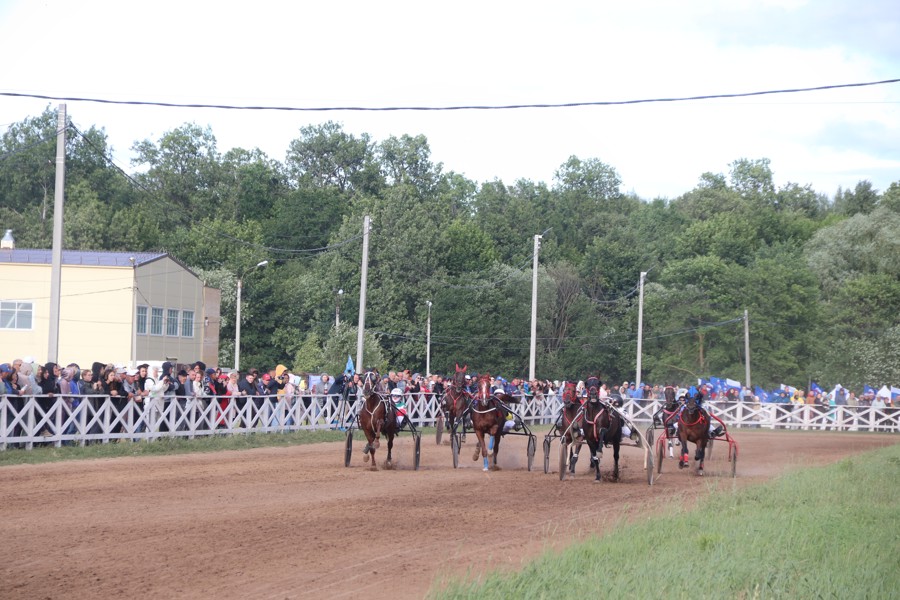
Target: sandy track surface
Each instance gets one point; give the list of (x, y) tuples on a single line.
[(295, 523)]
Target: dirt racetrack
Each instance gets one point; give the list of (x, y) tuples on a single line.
[(295, 523)]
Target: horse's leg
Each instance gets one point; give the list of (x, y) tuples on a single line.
[(685, 458), (479, 436), (700, 455), (595, 460), (389, 463), (370, 437), (495, 438), (373, 443), (615, 446), (573, 454)]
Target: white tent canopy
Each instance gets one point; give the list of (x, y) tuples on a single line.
[(884, 392)]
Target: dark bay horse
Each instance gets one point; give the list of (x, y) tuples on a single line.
[(456, 399), (602, 425), (488, 416), (570, 422), (377, 417), (693, 426)]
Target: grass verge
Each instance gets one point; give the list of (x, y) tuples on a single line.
[(829, 532), (165, 446)]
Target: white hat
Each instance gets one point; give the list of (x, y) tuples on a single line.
[(468, 377), (396, 392), (131, 372), (28, 359)]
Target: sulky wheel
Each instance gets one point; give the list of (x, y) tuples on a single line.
[(660, 453), (348, 448), (546, 455), (439, 428), (531, 448), (418, 440), (649, 436), (734, 462), (563, 455), (454, 448)]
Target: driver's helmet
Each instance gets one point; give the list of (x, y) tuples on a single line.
[(396, 393), (682, 392)]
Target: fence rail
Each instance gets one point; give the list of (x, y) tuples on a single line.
[(29, 420)]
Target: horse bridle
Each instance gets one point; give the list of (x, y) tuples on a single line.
[(484, 396)]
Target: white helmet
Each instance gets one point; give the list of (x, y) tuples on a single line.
[(396, 392)]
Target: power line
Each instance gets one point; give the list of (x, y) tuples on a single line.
[(456, 107)]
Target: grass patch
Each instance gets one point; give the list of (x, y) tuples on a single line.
[(166, 446), (829, 532)]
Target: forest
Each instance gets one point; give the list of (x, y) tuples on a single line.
[(819, 274)]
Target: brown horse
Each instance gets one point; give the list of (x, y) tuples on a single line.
[(569, 424), (456, 399), (377, 417), (488, 416), (693, 426), (602, 425)]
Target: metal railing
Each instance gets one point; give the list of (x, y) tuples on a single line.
[(29, 420)]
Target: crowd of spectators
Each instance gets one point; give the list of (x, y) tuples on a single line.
[(149, 386)]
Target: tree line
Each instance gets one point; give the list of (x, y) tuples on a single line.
[(819, 274)]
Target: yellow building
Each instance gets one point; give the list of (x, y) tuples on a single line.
[(115, 307)]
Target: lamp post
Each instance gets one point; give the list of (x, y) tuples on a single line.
[(337, 308), (237, 321), (428, 342)]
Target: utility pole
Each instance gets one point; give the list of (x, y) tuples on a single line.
[(428, 342), (56, 266), (640, 340), (363, 279), (747, 348), (534, 291)]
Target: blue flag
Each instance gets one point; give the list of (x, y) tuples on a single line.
[(814, 387), (762, 394), (350, 369), (868, 390)]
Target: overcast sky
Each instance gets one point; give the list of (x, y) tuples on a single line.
[(415, 53)]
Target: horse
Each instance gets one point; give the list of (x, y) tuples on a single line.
[(693, 426), (602, 425), (456, 399), (377, 417), (569, 423), (488, 417)]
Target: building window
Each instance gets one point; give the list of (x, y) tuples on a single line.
[(16, 315), (187, 323), (142, 320), (172, 322), (156, 321)]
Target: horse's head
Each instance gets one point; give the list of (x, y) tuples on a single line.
[(671, 397), (593, 388), (370, 382), (692, 400), (459, 378), (570, 393), (483, 388)]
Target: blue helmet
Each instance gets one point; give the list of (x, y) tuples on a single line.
[(692, 392)]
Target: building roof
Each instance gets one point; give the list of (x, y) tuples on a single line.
[(79, 257)]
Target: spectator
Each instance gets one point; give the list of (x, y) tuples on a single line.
[(27, 383)]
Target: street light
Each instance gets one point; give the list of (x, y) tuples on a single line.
[(337, 308), (428, 342), (237, 322)]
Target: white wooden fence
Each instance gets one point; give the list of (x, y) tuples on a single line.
[(23, 421)]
